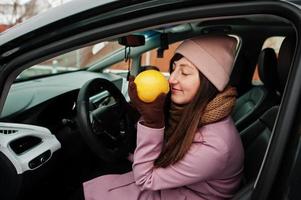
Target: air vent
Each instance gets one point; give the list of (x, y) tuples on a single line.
[(23, 144), (8, 131)]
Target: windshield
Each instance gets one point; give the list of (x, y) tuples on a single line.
[(71, 61)]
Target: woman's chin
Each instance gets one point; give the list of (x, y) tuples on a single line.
[(177, 100)]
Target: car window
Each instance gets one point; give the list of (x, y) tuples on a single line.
[(71, 61), (120, 68), (151, 58)]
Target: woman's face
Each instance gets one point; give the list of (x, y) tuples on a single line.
[(184, 81)]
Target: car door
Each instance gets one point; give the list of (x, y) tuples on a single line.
[(77, 24)]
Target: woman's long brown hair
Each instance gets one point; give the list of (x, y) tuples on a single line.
[(177, 143)]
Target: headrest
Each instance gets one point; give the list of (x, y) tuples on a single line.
[(267, 68), (285, 57)]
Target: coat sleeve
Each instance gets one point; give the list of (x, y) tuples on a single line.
[(202, 162)]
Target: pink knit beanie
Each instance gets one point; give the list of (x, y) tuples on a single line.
[(212, 55)]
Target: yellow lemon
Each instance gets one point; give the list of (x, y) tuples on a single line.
[(150, 84)]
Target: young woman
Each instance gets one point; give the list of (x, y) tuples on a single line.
[(194, 150)]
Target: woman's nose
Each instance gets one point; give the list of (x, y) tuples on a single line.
[(173, 78)]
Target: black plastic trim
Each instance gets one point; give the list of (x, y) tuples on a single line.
[(10, 181), (292, 93)]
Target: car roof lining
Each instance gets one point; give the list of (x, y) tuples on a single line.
[(216, 25)]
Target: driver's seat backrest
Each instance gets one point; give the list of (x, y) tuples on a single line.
[(257, 100)]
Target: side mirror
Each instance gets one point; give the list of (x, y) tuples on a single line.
[(132, 40)]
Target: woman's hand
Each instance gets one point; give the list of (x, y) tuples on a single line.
[(152, 113)]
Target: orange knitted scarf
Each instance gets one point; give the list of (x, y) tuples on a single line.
[(217, 109)]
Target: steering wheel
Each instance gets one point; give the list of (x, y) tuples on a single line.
[(106, 126)]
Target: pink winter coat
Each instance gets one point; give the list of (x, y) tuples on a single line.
[(211, 169)]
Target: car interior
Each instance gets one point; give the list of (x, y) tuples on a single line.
[(66, 128)]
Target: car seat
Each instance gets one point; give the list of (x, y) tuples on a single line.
[(255, 137), (257, 100)]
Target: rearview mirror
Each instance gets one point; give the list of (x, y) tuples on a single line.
[(132, 40)]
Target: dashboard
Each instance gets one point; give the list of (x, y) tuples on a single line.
[(51, 101), (25, 95), (37, 118)]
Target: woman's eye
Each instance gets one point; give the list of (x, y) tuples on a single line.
[(173, 68)]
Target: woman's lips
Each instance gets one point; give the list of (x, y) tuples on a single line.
[(175, 90)]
